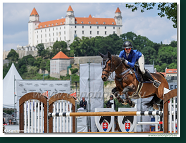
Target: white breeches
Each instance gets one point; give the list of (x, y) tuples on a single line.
[(141, 63)]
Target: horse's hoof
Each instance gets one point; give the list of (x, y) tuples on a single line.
[(155, 106)]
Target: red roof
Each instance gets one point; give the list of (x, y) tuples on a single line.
[(78, 20), (34, 12), (118, 10), (70, 8), (60, 55), (171, 71)]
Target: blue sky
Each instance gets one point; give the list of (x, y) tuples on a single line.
[(149, 24)]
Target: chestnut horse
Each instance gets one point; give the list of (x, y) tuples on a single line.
[(126, 81)]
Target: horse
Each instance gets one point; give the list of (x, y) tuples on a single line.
[(127, 82)]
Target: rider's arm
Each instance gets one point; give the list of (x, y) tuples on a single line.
[(121, 54), (132, 63)]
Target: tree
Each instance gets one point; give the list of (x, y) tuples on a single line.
[(40, 49), (59, 46), (13, 55), (43, 65), (47, 67), (166, 9)]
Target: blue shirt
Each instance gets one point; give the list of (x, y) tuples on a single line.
[(133, 57)]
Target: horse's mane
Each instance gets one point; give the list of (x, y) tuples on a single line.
[(118, 59)]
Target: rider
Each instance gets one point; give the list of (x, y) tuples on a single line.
[(130, 56)]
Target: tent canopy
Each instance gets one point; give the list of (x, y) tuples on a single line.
[(8, 87)]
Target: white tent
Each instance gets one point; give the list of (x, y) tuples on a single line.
[(8, 87)]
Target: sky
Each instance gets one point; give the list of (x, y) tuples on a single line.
[(148, 24)]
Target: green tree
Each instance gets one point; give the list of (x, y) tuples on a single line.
[(165, 9), (13, 55), (43, 65), (59, 46), (32, 69), (41, 50), (149, 53), (47, 67)]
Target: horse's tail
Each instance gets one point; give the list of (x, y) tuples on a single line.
[(154, 100)]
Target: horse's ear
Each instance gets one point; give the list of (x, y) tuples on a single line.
[(109, 55), (101, 55)]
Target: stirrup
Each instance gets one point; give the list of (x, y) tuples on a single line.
[(156, 83)]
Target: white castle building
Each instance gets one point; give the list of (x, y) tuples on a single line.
[(66, 29)]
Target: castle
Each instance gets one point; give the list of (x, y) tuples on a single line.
[(66, 29)]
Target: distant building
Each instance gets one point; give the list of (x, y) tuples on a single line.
[(66, 29), (59, 64)]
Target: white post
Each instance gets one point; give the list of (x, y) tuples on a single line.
[(31, 116), (57, 117), (25, 105), (70, 124), (156, 120), (60, 117), (63, 117), (54, 122), (35, 115), (41, 117), (38, 116), (174, 125), (28, 116), (170, 115), (66, 117)]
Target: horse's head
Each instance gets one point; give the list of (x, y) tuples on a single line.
[(106, 65)]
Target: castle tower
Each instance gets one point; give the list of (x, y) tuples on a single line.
[(118, 20), (70, 18), (32, 25)]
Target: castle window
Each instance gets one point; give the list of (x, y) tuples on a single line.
[(113, 32), (75, 31), (40, 26), (45, 35), (103, 22), (64, 27), (49, 25), (56, 23), (64, 32), (82, 26), (56, 28), (105, 32), (82, 32), (113, 27), (59, 33), (105, 27), (96, 22), (76, 21), (53, 29), (81, 21), (112, 22), (45, 25), (61, 22), (90, 32), (90, 27), (52, 24), (97, 32), (97, 27), (75, 26), (53, 34), (89, 22), (56, 33), (119, 27)]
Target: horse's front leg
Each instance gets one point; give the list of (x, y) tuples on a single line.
[(115, 91), (129, 88)]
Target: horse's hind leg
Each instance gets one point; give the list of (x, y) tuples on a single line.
[(153, 102)]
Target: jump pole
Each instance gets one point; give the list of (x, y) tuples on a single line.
[(131, 113)]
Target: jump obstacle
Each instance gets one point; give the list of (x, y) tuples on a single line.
[(35, 118)]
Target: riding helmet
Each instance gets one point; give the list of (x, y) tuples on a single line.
[(127, 44)]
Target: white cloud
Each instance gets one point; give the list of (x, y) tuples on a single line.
[(12, 40), (154, 28)]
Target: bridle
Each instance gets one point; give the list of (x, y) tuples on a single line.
[(125, 73)]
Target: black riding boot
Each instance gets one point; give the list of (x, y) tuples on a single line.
[(155, 82)]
